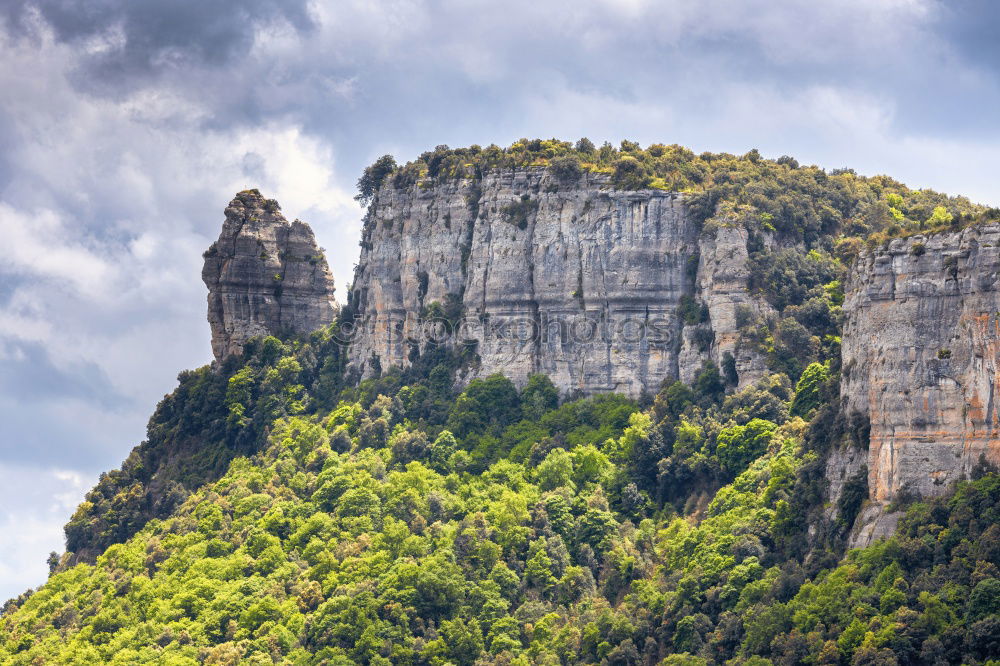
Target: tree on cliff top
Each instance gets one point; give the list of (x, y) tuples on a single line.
[(372, 178)]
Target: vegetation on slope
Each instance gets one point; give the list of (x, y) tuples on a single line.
[(213, 416), (820, 219), (359, 536)]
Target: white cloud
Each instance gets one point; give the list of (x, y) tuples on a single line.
[(106, 210), (296, 167), (42, 247), (34, 504)]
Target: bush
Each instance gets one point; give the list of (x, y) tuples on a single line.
[(729, 369), (808, 391), (738, 446), (630, 174), (567, 168), (708, 386), (519, 212)]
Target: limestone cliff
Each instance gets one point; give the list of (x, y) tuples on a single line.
[(572, 279), (721, 283), (264, 275), (920, 358)]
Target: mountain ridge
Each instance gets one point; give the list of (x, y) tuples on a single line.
[(319, 495)]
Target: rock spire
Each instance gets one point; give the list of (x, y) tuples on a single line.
[(264, 275)]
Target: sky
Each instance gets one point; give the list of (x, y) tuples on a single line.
[(126, 127)]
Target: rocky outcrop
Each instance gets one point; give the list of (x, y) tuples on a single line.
[(721, 284), (264, 276), (572, 279), (921, 351)]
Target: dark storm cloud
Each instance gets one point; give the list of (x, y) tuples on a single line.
[(365, 75), (147, 37), (972, 26), (28, 372)]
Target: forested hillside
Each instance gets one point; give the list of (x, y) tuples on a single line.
[(403, 526), (284, 511)]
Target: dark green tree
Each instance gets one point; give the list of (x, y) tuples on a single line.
[(373, 177)]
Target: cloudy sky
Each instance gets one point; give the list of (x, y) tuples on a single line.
[(125, 127)]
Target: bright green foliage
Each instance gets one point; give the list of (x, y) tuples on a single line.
[(808, 394), (395, 552), (210, 419), (939, 217), (307, 554), (737, 446), (490, 419), (698, 445)]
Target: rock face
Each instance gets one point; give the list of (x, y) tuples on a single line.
[(264, 275), (721, 284), (921, 350), (572, 279)]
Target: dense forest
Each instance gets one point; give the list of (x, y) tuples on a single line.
[(500, 526), (281, 511)]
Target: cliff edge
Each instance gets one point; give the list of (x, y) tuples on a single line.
[(569, 277)]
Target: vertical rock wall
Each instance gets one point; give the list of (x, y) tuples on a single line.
[(587, 284), (721, 284), (576, 280), (920, 358)]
